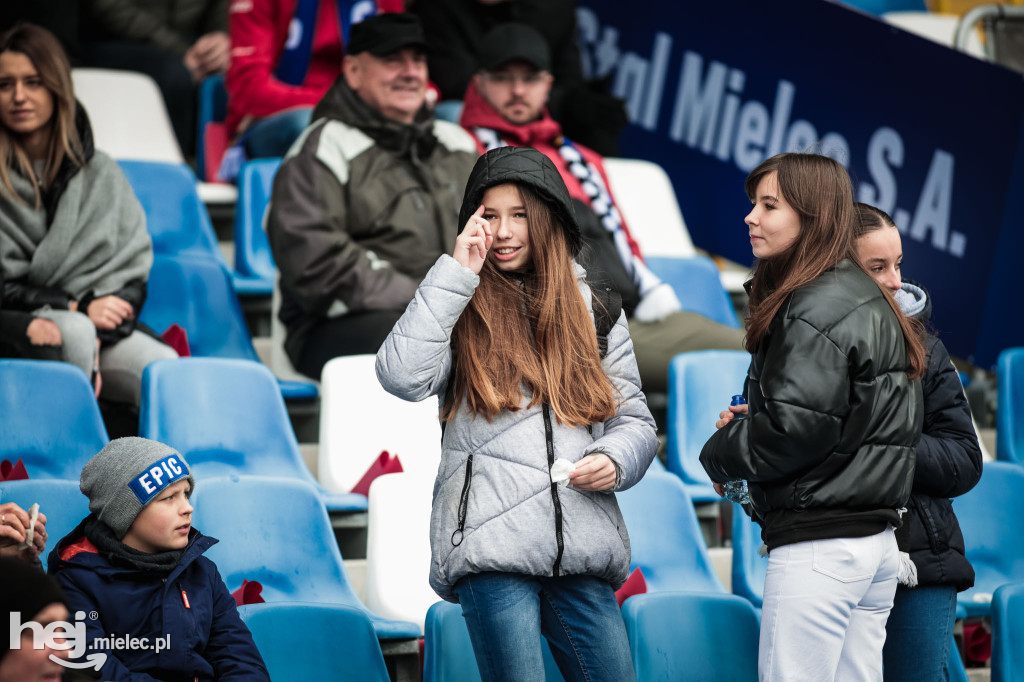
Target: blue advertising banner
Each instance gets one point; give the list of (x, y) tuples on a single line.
[(929, 135)]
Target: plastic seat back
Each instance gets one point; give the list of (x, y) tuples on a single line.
[(176, 218), (665, 537), (213, 109), (698, 285), (1008, 633), (448, 651), (225, 416), (990, 517), (647, 201), (1010, 406), (748, 567), (252, 249), (359, 419), (61, 501), (700, 385), (398, 547), (692, 636), (50, 418), (196, 293), (127, 114), (337, 642), (276, 531)]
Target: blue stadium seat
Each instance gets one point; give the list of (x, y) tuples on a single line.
[(50, 418), (276, 531), (692, 636), (665, 537), (698, 285), (990, 516), (253, 258), (748, 567), (700, 385), (335, 641), (227, 417), (448, 652), (1010, 406), (61, 501), (176, 218), (196, 293), (1008, 633), (212, 108)]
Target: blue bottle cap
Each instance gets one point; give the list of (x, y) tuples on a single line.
[(738, 400)]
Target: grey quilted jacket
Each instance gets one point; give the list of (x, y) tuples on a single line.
[(512, 519)]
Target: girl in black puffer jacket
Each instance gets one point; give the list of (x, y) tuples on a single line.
[(835, 413), (919, 631)]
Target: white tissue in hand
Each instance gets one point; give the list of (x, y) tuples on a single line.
[(30, 532), (560, 471), (659, 303)]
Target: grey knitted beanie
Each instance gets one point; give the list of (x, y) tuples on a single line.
[(126, 475)]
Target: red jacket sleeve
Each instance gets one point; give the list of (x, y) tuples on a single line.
[(258, 31)]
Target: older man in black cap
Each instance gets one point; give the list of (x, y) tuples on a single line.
[(367, 198)]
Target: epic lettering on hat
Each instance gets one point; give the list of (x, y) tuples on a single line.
[(158, 476)]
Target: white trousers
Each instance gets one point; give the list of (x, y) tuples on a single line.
[(825, 607)]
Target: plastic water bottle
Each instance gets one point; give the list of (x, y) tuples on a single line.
[(736, 491)]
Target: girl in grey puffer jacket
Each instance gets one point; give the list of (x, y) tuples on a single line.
[(503, 333)]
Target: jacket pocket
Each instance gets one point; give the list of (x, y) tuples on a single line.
[(847, 560), (457, 534)]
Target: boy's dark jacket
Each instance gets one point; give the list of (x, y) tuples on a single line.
[(208, 639)]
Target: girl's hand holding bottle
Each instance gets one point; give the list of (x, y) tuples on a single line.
[(472, 245)]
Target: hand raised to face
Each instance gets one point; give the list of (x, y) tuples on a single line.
[(472, 245)]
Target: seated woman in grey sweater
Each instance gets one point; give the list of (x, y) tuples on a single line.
[(73, 242)]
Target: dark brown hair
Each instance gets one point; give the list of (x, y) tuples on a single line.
[(51, 63), (818, 188), (530, 330)]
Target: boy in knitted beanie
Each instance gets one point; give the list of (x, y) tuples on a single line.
[(136, 564)]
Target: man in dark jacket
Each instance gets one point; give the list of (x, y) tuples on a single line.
[(506, 104), (157, 608), (367, 199)]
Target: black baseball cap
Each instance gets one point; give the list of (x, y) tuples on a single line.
[(384, 34), (514, 42)]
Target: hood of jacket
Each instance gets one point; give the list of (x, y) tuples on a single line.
[(478, 113), (529, 167), (414, 139), (914, 301)]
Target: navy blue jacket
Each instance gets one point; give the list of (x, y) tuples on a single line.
[(948, 465), (208, 641)]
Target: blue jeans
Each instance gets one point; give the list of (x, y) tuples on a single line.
[(271, 137), (507, 613), (919, 634)]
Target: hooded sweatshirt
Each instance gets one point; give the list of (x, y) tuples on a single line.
[(495, 507), (948, 462)]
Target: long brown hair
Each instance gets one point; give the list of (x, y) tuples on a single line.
[(818, 188), (51, 63), (530, 330)]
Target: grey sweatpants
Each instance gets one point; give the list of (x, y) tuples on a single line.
[(656, 343), (121, 365)]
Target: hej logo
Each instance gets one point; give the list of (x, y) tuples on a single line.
[(58, 636)]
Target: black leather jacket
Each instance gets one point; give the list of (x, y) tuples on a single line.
[(828, 450)]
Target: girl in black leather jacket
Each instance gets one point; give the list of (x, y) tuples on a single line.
[(920, 628), (835, 414)]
